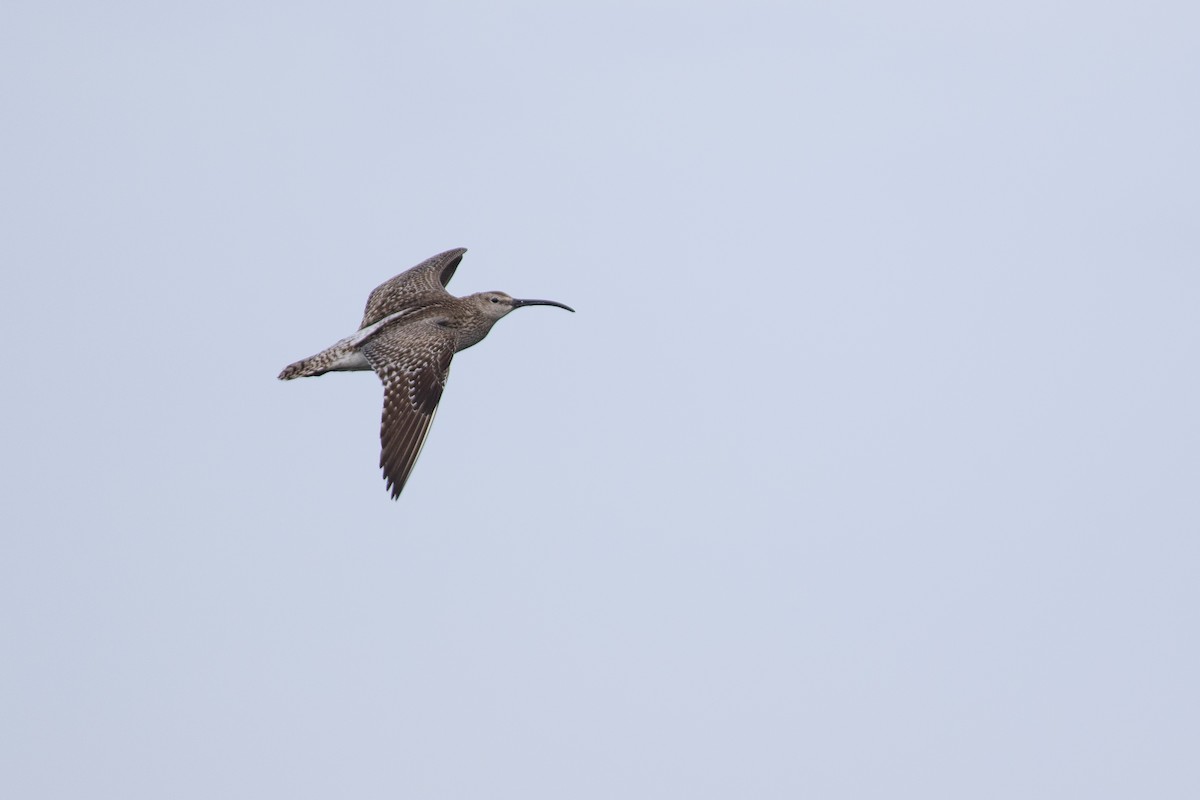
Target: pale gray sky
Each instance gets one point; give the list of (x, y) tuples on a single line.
[(867, 468)]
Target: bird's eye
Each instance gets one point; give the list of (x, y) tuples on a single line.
[(495, 299)]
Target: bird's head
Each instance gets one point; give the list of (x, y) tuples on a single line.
[(495, 305)]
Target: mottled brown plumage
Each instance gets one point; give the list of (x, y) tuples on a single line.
[(410, 330)]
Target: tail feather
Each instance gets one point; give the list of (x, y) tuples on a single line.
[(342, 356), (305, 368)]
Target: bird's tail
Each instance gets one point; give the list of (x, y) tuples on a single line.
[(305, 368), (342, 356)]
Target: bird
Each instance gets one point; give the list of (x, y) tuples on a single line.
[(410, 330)]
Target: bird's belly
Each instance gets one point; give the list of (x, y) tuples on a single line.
[(349, 361)]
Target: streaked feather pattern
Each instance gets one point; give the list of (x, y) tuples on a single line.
[(413, 361), (411, 329)]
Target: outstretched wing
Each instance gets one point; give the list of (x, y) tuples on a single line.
[(413, 362), (427, 278)]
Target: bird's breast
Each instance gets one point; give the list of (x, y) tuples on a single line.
[(470, 335)]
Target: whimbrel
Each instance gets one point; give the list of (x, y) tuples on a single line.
[(411, 329)]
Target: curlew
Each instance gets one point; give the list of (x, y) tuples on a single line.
[(411, 329)]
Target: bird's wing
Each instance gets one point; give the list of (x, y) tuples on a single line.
[(413, 362), (427, 278)]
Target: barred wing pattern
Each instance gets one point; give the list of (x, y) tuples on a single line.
[(428, 278), (413, 361)]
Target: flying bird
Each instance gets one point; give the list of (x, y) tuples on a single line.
[(411, 329)]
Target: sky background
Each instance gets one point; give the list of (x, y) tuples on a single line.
[(867, 468)]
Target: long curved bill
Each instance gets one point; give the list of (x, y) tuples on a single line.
[(518, 303)]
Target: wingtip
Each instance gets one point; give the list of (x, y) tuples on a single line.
[(393, 489)]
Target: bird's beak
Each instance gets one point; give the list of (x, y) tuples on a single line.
[(518, 303)]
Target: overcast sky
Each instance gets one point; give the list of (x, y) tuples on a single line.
[(867, 468)]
